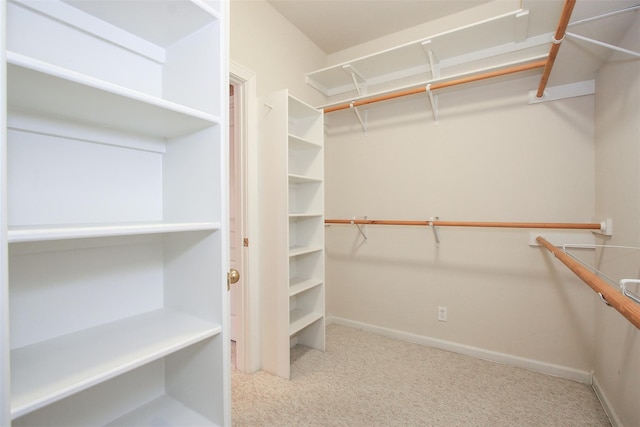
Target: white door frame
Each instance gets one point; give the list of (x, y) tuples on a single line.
[(248, 344)]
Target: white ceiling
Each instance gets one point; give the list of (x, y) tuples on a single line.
[(335, 25)]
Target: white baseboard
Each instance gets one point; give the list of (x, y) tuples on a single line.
[(606, 403), (507, 359)]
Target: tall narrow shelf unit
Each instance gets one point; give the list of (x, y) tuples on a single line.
[(292, 228), (114, 224)]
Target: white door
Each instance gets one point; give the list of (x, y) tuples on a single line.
[(243, 244), (235, 222)]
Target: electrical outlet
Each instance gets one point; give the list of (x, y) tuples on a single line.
[(442, 314)]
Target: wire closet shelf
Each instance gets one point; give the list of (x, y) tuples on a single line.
[(630, 256), (625, 302)]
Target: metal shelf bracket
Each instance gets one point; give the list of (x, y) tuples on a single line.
[(360, 228), (433, 64), (435, 230), (359, 81), (631, 295), (433, 100), (363, 123)]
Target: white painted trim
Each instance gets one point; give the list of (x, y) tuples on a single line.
[(480, 353), (606, 403), (5, 369), (248, 349)]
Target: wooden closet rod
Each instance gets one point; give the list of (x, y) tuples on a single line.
[(440, 85), (438, 223), (567, 9), (629, 309)]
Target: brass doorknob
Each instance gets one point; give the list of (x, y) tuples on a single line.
[(234, 275)]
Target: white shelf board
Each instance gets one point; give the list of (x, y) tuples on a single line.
[(297, 286), (300, 319), (294, 178), (162, 411), (35, 86), (300, 110), (62, 232), (158, 22), (45, 372), (295, 216), (297, 143), (301, 250)]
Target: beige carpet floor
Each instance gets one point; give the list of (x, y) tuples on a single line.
[(365, 379)]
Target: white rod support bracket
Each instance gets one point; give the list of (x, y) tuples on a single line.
[(626, 292), (571, 90), (363, 123), (360, 228), (435, 230), (606, 227), (604, 300), (433, 100)]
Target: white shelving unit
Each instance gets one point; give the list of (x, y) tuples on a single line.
[(115, 305), (292, 211)]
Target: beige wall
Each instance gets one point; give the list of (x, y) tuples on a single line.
[(617, 362), (492, 157), (267, 44)]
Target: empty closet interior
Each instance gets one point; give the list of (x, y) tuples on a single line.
[(458, 174), (450, 147)]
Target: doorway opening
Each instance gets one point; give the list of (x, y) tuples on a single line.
[(243, 308)]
